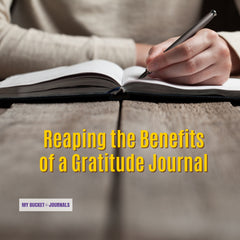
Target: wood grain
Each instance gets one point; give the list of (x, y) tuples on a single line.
[(184, 205), (21, 146), (122, 206)]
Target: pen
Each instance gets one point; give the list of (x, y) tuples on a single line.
[(202, 23)]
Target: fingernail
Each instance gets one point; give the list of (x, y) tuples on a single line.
[(150, 51)]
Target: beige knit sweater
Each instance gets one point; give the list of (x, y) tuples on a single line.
[(41, 34)]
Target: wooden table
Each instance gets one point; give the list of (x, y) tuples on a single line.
[(166, 206)]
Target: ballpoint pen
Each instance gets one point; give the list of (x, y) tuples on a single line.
[(192, 31)]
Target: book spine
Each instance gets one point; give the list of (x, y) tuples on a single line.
[(117, 91)]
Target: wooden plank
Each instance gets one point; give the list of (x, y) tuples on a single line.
[(21, 130), (183, 206)]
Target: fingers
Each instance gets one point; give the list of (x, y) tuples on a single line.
[(195, 78), (203, 59), (205, 77), (188, 67), (185, 51), (159, 49), (141, 54)]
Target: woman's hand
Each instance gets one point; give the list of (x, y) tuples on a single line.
[(142, 51), (204, 59)]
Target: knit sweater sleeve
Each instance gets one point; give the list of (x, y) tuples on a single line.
[(24, 50)]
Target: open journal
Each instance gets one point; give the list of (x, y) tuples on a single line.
[(100, 77)]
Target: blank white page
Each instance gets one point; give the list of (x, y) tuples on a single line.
[(96, 66), (131, 75)]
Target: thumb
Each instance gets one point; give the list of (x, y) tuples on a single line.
[(159, 49)]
